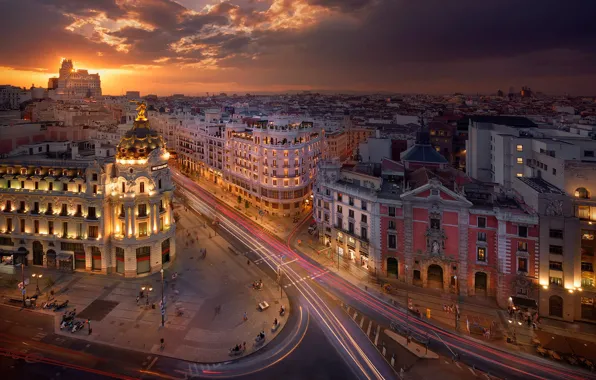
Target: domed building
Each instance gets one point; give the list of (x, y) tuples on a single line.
[(140, 197)]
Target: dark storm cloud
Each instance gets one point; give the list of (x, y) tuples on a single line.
[(374, 42), (344, 5), (109, 7)]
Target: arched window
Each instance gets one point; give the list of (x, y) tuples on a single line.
[(581, 192)]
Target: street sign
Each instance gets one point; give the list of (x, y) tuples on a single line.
[(24, 291), (163, 312)]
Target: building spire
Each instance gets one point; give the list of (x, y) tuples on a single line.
[(423, 136)]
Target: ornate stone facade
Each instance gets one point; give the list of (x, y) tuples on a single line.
[(97, 214)]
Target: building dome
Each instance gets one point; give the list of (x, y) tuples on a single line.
[(140, 141)]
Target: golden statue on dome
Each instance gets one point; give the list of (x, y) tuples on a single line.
[(141, 112)]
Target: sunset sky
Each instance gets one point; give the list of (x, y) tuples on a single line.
[(197, 46)]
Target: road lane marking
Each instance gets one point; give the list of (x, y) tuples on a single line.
[(152, 363), (377, 334)]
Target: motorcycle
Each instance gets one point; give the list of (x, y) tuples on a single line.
[(68, 325), (61, 306), (77, 326), (282, 311), (260, 338), (234, 351), (50, 305)]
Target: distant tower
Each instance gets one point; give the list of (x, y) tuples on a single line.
[(67, 68), (500, 93)]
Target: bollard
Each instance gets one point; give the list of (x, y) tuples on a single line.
[(393, 360), (384, 351)]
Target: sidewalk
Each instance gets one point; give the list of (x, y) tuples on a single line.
[(276, 225), (214, 293)]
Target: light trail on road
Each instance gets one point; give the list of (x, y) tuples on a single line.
[(520, 365), (320, 308)]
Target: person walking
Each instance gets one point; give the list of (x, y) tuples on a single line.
[(138, 299), (89, 326), (161, 344), (245, 317)]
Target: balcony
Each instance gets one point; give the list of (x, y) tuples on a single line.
[(351, 233)]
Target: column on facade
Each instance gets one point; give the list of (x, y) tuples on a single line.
[(133, 220), (116, 220), (127, 223), (155, 218)]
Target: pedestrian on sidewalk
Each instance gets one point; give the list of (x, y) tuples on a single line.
[(89, 326), (247, 262), (138, 299), (245, 317), (162, 344)]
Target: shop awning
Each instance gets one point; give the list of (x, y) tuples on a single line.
[(524, 302), (5, 252)]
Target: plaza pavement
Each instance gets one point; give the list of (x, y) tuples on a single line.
[(214, 293)]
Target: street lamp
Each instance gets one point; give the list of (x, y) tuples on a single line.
[(37, 277), (163, 306), (149, 289)]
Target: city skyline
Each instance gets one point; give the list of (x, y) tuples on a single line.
[(271, 46)]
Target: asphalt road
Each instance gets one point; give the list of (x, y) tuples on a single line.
[(38, 353)]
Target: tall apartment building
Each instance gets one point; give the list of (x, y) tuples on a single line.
[(74, 206), (552, 172), (424, 223), (269, 166), (272, 166)]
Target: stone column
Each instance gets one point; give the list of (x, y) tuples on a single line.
[(133, 227), (130, 262), (128, 231), (155, 217), (88, 258)]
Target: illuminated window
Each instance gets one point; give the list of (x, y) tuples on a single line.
[(581, 192), (520, 160), (143, 229), (522, 264), (520, 148), (520, 175), (481, 254)]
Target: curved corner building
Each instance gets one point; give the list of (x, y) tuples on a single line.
[(140, 203), (74, 206)]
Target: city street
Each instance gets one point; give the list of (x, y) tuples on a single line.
[(493, 360), (320, 337)]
